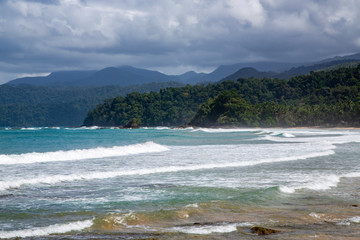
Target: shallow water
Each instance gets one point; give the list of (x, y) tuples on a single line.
[(163, 183)]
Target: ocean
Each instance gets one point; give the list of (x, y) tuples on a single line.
[(163, 183)]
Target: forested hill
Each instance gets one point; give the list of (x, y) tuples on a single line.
[(319, 99), (31, 106)]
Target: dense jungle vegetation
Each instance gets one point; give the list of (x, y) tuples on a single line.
[(326, 98), (31, 106)]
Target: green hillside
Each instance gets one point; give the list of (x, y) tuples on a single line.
[(318, 99), (29, 106)]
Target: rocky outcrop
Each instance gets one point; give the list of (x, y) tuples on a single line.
[(263, 231), (133, 123)]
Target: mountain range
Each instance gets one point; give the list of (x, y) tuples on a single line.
[(64, 98), (127, 75)]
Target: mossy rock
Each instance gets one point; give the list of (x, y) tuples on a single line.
[(263, 231), (133, 123)]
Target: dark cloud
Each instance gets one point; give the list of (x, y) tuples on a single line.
[(39, 36)]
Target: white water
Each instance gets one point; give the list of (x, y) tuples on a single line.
[(317, 183), (81, 154), (295, 160), (52, 229), (208, 229), (224, 130), (54, 179)]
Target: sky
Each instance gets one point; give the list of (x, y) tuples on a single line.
[(172, 36)]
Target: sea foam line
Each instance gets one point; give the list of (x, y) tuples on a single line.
[(80, 154), (225, 130), (320, 183), (54, 179), (208, 229), (331, 137), (52, 229)]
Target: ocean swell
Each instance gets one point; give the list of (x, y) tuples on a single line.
[(81, 154), (54, 179), (52, 229), (319, 183)]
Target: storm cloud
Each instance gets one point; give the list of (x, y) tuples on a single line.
[(40, 36)]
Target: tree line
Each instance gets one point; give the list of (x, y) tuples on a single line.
[(326, 98), (31, 106)]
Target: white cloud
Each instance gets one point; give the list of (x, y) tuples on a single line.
[(248, 11), (42, 36)]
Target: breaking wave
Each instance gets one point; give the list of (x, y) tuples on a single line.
[(81, 154), (54, 179), (208, 229), (52, 229), (225, 130), (319, 183)]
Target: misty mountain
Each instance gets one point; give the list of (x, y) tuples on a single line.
[(342, 58), (191, 76), (225, 71), (121, 76), (128, 76), (249, 72), (124, 76), (54, 79), (322, 65)]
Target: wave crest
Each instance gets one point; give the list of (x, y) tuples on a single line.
[(81, 154), (52, 229)]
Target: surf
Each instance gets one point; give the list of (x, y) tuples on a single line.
[(55, 179), (44, 231), (318, 183), (81, 154)]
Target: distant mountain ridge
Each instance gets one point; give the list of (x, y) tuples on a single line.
[(306, 69), (122, 76), (53, 79), (127, 75), (249, 73)]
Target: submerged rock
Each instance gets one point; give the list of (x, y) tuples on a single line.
[(263, 231)]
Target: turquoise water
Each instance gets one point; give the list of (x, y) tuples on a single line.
[(82, 182)]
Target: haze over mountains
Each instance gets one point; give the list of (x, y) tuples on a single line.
[(64, 98), (127, 75)]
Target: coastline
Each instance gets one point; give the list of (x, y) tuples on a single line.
[(168, 183), (277, 127)]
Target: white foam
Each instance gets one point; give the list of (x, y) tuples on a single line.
[(317, 183), (288, 135), (91, 128), (181, 129), (31, 128), (162, 128), (355, 219), (54, 179), (349, 221), (81, 154), (316, 215), (225, 130), (208, 229), (312, 136), (352, 175), (52, 229), (193, 205), (56, 128), (84, 128)]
